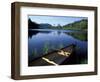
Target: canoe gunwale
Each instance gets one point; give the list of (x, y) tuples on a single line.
[(72, 45)]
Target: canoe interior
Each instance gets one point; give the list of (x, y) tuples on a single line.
[(57, 57)]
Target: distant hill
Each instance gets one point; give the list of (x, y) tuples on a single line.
[(32, 25), (78, 25), (45, 26)]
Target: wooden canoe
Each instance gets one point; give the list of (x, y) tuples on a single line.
[(54, 58)]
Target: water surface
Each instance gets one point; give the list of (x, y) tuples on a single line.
[(42, 40)]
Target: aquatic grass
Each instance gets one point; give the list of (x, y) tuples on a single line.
[(46, 48), (61, 46), (53, 47), (34, 52)]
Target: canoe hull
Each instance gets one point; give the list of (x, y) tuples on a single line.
[(57, 57)]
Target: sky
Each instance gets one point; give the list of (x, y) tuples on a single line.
[(54, 20)]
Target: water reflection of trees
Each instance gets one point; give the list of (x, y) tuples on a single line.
[(35, 32), (31, 33), (78, 35)]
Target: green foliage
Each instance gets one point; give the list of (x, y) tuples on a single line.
[(79, 25), (46, 48)]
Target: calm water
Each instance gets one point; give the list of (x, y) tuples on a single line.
[(41, 39)]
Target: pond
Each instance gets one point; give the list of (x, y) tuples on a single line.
[(42, 41)]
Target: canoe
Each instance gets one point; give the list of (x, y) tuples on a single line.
[(56, 57)]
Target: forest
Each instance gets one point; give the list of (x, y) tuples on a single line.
[(77, 25)]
